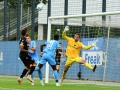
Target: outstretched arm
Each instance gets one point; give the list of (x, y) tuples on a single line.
[(64, 33), (88, 47)]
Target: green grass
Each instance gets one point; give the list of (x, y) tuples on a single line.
[(10, 83)]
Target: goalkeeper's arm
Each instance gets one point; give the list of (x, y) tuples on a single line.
[(88, 47), (64, 33)]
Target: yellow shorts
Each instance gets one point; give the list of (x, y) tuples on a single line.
[(70, 61)]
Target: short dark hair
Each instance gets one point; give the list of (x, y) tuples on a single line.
[(56, 37), (27, 36), (24, 31), (60, 43), (78, 34)]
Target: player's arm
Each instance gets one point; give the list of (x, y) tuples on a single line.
[(22, 48), (88, 47), (64, 33), (41, 49), (34, 47), (60, 51)]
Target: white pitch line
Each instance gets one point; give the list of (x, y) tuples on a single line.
[(10, 88)]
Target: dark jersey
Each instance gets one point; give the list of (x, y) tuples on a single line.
[(23, 41), (58, 55), (26, 59)]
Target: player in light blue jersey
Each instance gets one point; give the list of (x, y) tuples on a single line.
[(48, 55), (34, 55)]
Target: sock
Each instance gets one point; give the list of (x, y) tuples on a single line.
[(63, 74), (56, 75), (40, 74), (32, 76), (88, 65), (23, 73), (31, 70)]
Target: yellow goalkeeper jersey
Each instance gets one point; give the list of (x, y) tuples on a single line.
[(73, 48)]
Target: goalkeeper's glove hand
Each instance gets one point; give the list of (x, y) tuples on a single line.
[(93, 44), (66, 28)]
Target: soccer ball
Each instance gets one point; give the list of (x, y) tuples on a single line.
[(40, 7)]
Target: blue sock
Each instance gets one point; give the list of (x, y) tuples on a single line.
[(32, 76), (40, 74), (56, 75)]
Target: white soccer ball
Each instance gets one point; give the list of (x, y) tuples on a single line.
[(40, 7)]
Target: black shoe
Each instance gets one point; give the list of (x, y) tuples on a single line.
[(94, 68)]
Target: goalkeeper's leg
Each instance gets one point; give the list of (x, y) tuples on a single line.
[(69, 62), (82, 61), (64, 73)]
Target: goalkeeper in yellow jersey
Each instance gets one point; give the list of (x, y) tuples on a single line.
[(73, 49)]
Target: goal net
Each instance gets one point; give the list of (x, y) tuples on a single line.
[(102, 28)]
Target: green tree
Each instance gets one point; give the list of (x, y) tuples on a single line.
[(35, 34)]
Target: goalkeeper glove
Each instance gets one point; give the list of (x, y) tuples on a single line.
[(66, 28), (93, 44)]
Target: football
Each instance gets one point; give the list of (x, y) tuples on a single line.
[(40, 7)]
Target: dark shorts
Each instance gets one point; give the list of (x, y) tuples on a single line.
[(26, 59), (57, 61)]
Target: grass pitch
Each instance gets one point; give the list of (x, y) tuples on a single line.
[(10, 83)]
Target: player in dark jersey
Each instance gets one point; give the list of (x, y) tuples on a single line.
[(25, 58), (58, 56)]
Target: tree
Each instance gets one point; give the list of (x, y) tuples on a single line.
[(26, 3)]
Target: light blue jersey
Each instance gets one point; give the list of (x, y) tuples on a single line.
[(36, 58), (33, 55), (49, 51), (51, 47)]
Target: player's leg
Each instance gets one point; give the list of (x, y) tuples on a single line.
[(82, 61), (39, 72), (36, 69), (52, 62), (64, 73), (32, 77), (57, 67), (23, 59), (55, 75), (42, 61), (58, 64), (32, 68), (22, 75), (69, 62), (40, 77)]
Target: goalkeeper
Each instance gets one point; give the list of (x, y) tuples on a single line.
[(72, 52)]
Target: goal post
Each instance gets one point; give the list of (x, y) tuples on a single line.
[(47, 65), (96, 30)]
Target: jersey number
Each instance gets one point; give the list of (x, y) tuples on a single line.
[(49, 46)]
